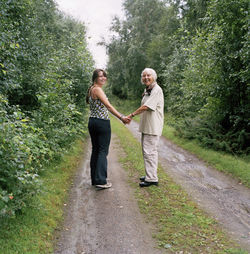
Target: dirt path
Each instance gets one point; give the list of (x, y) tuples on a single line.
[(221, 196), (104, 221)]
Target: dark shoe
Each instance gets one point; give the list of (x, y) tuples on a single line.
[(147, 184), (142, 178)]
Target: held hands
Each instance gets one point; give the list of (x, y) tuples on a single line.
[(126, 119)]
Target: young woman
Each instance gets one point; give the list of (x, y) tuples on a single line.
[(99, 128)]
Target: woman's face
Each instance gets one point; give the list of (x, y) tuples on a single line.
[(101, 80), (147, 78)]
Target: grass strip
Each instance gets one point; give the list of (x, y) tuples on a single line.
[(181, 227), (236, 166), (33, 231)]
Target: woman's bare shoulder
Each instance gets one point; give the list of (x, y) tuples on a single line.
[(95, 89), (97, 92)]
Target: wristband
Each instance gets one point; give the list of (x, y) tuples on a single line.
[(132, 114)]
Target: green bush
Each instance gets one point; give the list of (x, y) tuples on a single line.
[(29, 143), (20, 158), (45, 68)]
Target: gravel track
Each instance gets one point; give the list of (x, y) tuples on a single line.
[(220, 195), (104, 221)]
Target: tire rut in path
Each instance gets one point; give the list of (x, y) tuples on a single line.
[(218, 194), (104, 221)]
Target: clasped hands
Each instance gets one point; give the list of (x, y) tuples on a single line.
[(126, 119)]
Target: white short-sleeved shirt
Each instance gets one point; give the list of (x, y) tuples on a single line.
[(151, 120)]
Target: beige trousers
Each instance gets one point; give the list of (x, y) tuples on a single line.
[(150, 156)]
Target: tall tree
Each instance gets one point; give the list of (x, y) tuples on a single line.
[(199, 49), (127, 51)]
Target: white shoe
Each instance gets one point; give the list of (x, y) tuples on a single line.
[(103, 186)]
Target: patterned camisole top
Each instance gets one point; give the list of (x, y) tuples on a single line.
[(97, 109)]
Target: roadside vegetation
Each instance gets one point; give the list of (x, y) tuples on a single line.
[(180, 226), (45, 68), (200, 51), (33, 230)]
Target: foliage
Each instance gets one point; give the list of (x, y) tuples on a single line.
[(215, 86), (127, 56), (45, 69), (34, 231), (23, 148), (200, 51)]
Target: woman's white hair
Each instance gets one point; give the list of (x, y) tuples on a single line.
[(150, 71)]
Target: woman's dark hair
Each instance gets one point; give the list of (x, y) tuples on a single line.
[(94, 78)]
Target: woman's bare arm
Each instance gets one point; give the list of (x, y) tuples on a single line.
[(98, 93)]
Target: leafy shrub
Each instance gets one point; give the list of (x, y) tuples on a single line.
[(45, 68), (211, 134), (28, 144), (23, 147)]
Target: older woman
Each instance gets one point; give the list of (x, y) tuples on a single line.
[(151, 125)]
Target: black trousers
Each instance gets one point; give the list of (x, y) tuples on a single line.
[(100, 133)]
